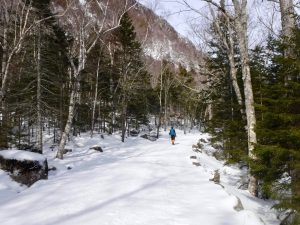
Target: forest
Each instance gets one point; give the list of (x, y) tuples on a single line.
[(80, 82), (64, 72)]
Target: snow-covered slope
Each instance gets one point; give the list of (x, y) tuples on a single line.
[(161, 41), (134, 183)]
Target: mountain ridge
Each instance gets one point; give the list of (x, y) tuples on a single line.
[(160, 41), (163, 39)]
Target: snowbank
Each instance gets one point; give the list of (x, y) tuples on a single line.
[(135, 183), (22, 155)]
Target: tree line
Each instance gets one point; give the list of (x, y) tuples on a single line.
[(254, 97), (64, 73)]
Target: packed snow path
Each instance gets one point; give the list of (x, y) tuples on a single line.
[(134, 183)]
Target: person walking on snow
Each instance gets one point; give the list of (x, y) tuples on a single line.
[(172, 133)]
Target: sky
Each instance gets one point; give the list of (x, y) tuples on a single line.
[(263, 17)]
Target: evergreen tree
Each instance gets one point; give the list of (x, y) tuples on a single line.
[(134, 80), (227, 124), (278, 154), (41, 53)]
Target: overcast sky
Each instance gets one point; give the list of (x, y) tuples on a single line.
[(263, 16)]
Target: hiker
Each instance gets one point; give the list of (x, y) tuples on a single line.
[(172, 133)]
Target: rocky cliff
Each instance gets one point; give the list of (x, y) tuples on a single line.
[(159, 39)]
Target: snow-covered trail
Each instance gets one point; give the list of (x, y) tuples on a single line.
[(134, 183)]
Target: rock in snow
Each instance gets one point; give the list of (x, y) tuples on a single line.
[(137, 182), (23, 166)]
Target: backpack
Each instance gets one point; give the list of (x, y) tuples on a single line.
[(172, 132)]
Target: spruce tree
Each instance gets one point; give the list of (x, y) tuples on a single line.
[(23, 86), (133, 80), (227, 124), (278, 154)]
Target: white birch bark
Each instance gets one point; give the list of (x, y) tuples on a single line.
[(241, 29), (83, 44), (112, 91), (4, 46), (288, 19), (165, 108), (208, 111), (95, 99), (160, 99), (233, 70), (68, 126), (76, 70), (241, 26), (39, 95), (22, 15), (168, 82), (288, 23), (16, 21), (227, 43)]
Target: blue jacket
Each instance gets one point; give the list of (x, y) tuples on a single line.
[(172, 132)]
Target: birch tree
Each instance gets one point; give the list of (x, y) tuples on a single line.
[(18, 18), (239, 19), (15, 25), (288, 22), (86, 32), (160, 99), (39, 94), (168, 81), (95, 99), (112, 88), (226, 38), (165, 82), (241, 24)]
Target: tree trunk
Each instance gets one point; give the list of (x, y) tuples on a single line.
[(241, 28), (3, 117), (99, 117), (208, 112), (9, 49), (124, 115), (227, 39), (288, 22), (113, 117), (233, 71), (160, 100), (158, 124), (111, 88), (184, 124), (165, 109), (39, 96), (95, 99), (68, 126), (235, 85)]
